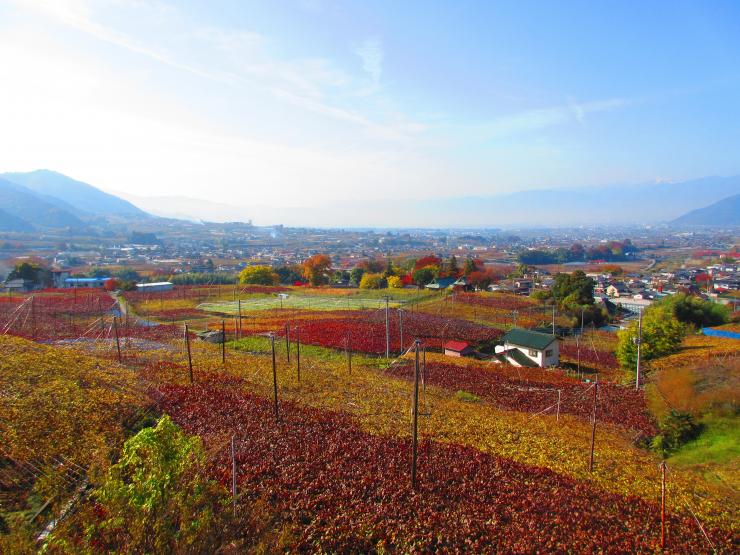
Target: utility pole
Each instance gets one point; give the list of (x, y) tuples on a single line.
[(298, 351), (190, 357), (557, 414), (415, 419), (639, 349), (223, 342), (553, 319), (578, 349), (514, 314), (387, 331), (274, 379), (593, 429), (118, 342), (581, 320)]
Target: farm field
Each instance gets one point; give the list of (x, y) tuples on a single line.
[(501, 466)]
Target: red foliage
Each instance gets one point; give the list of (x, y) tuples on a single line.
[(368, 331), (590, 357), (345, 490), (616, 404), (503, 302), (430, 260)]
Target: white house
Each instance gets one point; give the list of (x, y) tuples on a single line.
[(529, 348)]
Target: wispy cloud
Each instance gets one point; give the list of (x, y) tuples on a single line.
[(300, 82), (542, 118), (371, 54)]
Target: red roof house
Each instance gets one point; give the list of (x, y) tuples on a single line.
[(457, 348)]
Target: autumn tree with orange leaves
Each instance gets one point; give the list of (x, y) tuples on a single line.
[(316, 269)]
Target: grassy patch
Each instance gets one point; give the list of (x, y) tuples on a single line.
[(719, 443), (466, 397), (261, 344)]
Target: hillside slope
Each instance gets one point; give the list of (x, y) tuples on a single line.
[(22, 204), (722, 212), (81, 196)]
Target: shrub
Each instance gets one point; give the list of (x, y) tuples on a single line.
[(677, 428)]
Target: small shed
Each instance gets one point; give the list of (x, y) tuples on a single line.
[(154, 287), (457, 348)]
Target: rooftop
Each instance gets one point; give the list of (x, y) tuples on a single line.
[(527, 338)]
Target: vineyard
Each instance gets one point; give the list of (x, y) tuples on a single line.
[(323, 436)]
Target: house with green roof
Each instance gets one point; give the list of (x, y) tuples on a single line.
[(529, 349)]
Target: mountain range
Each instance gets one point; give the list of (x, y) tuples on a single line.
[(45, 199), (725, 212)]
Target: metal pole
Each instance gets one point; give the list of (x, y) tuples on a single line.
[(298, 351), (118, 342), (190, 357), (287, 341), (223, 342), (415, 417), (593, 429), (274, 378), (639, 348), (662, 506), (387, 332)]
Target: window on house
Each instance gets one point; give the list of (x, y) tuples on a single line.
[(533, 353), (548, 353)]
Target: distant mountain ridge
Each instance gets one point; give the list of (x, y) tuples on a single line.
[(76, 195), (724, 212), (29, 210), (648, 203)]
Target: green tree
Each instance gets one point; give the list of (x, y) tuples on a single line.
[(32, 272), (469, 266), (157, 498), (288, 274), (425, 275), (355, 275), (258, 275), (570, 290), (389, 270), (452, 266), (695, 311), (661, 335)]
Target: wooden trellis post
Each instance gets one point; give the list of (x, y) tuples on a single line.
[(223, 342), (274, 378), (287, 342), (190, 356), (415, 419), (298, 352), (118, 342), (593, 428)]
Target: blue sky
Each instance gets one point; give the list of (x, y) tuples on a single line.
[(308, 102)]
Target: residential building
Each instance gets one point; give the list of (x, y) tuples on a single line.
[(529, 348)]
